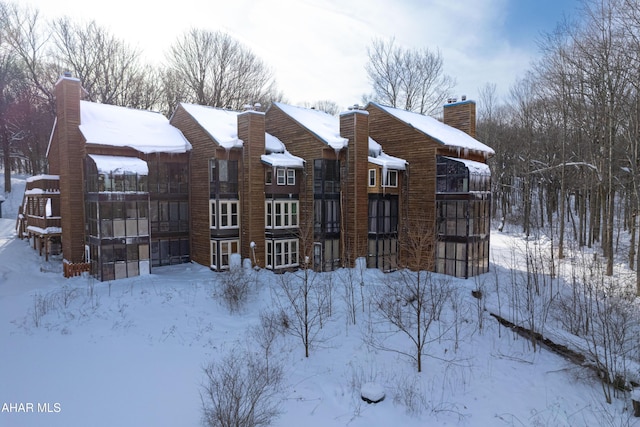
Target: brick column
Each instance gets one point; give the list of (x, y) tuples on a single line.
[(251, 132), (70, 166), (461, 115), (354, 125)]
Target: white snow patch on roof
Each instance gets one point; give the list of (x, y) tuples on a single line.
[(119, 164), (142, 130), (325, 126), (437, 130), (221, 124), (473, 166), (277, 154), (272, 144), (380, 158), (284, 160), (43, 177)]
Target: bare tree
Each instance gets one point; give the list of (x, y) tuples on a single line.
[(241, 391), (305, 302), (110, 70), (410, 303), (26, 101), (25, 33), (219, 71), (8, 73), (329, 107), (413, 80)]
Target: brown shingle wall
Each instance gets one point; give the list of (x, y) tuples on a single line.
[(417, 209), (71, 152), (461, 115), (204, 148), (252, 210), (355, 201), (303, 144)]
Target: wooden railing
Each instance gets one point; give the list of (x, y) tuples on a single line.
[(76, 268), (43, 222)]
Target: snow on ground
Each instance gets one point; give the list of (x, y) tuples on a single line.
[(131, 353)]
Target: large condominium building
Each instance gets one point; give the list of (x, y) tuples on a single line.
[(285, 188)]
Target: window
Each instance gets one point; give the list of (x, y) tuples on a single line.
[(282, 253), (280, 176), (392, 179), (291, 177), (223, 176), (223, 214), (326, 176), (223, 249), (227, 248), (383, 215), (228, 214), (451, 176), (281, 213), (268, 177), (212, 214), (372, 177), (326, 216)]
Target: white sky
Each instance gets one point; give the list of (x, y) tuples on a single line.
[(317, 48)]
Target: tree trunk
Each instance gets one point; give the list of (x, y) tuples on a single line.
[(6, 153)]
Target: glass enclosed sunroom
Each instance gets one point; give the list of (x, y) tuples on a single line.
[(463, 200), (116, 207)]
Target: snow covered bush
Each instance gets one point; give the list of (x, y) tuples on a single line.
[(236, 288), (241, 390)]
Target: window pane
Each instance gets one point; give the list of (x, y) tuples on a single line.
[(223, 171)]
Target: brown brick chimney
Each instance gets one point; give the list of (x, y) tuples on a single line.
[(70, 150), (461, 115), (354, 125), (251, 132)]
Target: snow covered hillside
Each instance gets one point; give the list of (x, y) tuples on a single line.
[(77, 352)]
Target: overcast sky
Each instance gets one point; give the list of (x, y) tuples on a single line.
[(317, 48)]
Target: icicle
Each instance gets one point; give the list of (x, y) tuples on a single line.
[(384, 174)]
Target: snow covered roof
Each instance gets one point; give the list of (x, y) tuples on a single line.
[(285, 160), (119, 164), (445, 134), (380, 158), (272, 144), (473, 166), (42, 177), (142, 130), (325, 126), (277, 154), (221, 125)]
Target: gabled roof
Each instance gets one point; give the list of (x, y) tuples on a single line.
[(220, 124), (442, 133), (324, 126), (142, 130), (327, 128)]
